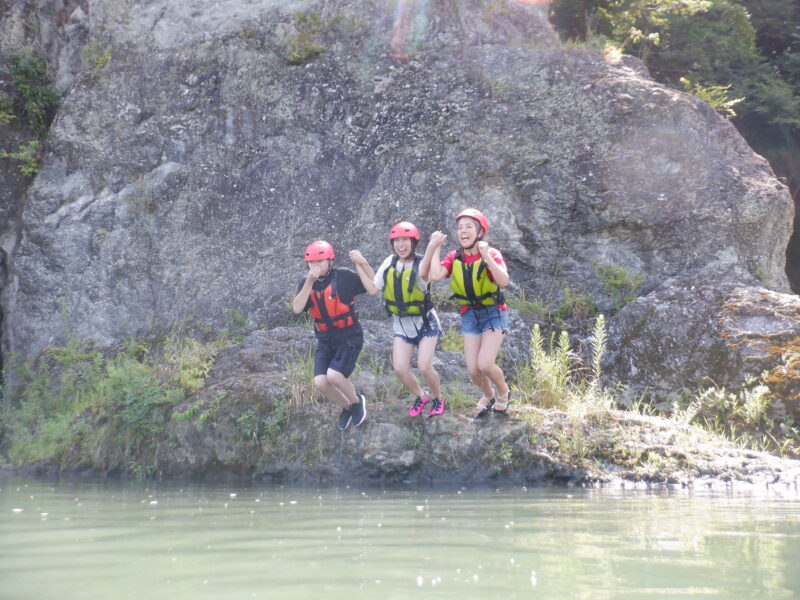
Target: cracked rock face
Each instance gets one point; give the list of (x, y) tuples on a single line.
[(716, 327), (184, 178)]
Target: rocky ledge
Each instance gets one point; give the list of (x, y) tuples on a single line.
[(266, 426)]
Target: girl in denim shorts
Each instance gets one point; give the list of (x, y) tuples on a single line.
[(477, 275), (406, 295)]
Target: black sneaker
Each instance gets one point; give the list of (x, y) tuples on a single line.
[(359, 411), (344, 419)]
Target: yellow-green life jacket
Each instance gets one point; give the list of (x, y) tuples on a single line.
[(471, 285), (401, 295)]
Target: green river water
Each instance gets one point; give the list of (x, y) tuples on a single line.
[(116, 541)]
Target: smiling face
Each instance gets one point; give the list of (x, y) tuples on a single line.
[(467, 231), (403, 247)]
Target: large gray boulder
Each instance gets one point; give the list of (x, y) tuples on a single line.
[(716, 327), (183, 179)]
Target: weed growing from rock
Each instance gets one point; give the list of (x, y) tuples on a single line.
[(300, 371), (555, 376), (6, 109), (97, 57), (620, 284), (452, 341), (741, 417), (303, 45), (28, 157)]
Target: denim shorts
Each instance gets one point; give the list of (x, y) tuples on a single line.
[(431, 329), (476, 320)]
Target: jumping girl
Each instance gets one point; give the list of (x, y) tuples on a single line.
[(478, 273), (407, 298), (328, 294)]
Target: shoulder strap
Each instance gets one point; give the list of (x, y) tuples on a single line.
[(412, 279), (392, 265)]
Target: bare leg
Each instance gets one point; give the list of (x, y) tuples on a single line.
[(330, 391), (344, 386), (472, 346), (487, 355), (427, 346), (401, 361)]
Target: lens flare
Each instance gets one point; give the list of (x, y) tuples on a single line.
[(408, 30)]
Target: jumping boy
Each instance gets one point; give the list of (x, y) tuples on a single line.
[(406, 295), (328, 294), (478, 273)]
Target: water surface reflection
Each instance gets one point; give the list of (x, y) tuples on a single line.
[(124, 540)]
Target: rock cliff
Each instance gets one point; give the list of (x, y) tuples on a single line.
[(187, 169)]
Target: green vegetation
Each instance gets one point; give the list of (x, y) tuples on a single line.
[(716, 96), (457, 400), (528, 307), (413, 438), (452, 341), (202, 411), (36, 100), (504, 454), (142, 204), (303, 46), (28, 157), (441, 296), (741, 417), (311, 31), (728, 52), (248, 34), (34, 103), (236, 318), (620, 284), (6, 109), (555, 377), (300, 371), (78, 405), (97, 57), (572, 305), (578, 306)]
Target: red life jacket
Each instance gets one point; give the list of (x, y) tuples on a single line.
[(328, 311)]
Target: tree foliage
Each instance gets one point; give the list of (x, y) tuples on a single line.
[(725, 49), (36, 99)]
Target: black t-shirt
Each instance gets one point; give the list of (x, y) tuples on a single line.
[(348, 285)]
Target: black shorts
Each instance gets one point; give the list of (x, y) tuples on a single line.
[(337, 353)]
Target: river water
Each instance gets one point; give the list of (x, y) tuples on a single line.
[(116, 540)]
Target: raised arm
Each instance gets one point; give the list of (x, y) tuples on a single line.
[(301, 299), (365, 272), (430, 268), (498, 271)]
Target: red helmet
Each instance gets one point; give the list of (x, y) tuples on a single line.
[(404, 229), (477, 215), (319, 250)]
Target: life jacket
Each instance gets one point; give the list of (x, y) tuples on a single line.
[(328, 311), (401, 296), (471, 285)]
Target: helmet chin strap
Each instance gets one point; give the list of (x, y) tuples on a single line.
[(475, 243)]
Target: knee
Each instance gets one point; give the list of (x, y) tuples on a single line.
[(474, 372), (320, 382), (427, 371), (401, 370), (486, 366), (335, 377)]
